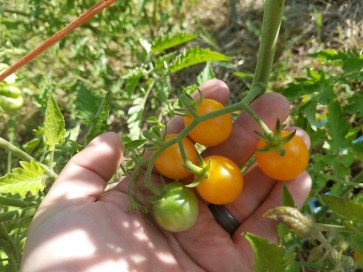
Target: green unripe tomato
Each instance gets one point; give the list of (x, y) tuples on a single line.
[(9, 90), (10, 95), (10, 104), (177, 209)]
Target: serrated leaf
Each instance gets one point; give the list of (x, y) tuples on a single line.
[(30, 178), (93, 111), (287, 199), (206, 74), (300, 87), (99, 122), (136, 112), (345, 208), (350, 61), (268, 257), (326, 93), (337, 126), (194, 56), (130, 145), (355, 105), (169, 41), (54, 126), (87, 105), (243, 75), (132, 80), (325, 55), (309, 109)]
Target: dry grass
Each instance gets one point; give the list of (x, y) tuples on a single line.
[(308, 26)]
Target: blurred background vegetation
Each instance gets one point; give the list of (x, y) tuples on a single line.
[(110, 55)]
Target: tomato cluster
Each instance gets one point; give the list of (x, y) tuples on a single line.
[(217, 179)]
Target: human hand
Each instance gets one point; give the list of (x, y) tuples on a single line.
[(81, 227)]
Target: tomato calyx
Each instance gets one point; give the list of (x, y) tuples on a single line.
[(189, 105), (201, 172), (275, 141)]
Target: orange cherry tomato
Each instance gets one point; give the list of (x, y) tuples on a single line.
[(213, 131), (224, 182), (285, 167), (170, 162)]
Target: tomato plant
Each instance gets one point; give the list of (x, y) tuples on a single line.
[(213, 131), (177, 209), (224, 181), (284, 167), (170, 162)]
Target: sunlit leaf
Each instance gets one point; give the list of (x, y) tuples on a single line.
[(29, 178), (54, 125), (194, 56), (268, 257), (345, 208), (169, 41)]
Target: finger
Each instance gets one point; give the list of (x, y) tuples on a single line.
[(241, 143), (299, 189), (213, 89), (302, 134), (86, 174)]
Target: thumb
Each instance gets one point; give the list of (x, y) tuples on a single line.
[(85, 176)]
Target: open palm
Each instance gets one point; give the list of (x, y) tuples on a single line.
[(81, 227)]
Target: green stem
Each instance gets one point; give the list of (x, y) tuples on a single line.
[(24, 156), (262, 124), (11, 135), (273, 10), (7, 201), (155, 190), (329, 227)]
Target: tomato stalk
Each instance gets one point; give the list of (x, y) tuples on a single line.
[(266, 131), (11, 134), (24, 156), (272, 17)]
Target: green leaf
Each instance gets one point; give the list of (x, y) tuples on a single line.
[(135, 113), (337, 126), (345, 208), (355, 105), (169, 41), (99, 122), (243, 75), (54, 126), (350, 61), (130, 144), (194, 56), (287, 199), (326, 55), (87, 105), (284, 233), (268, 257), (29, 178), (309, 109), (132, 79), (206, 74), (93, 111)]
